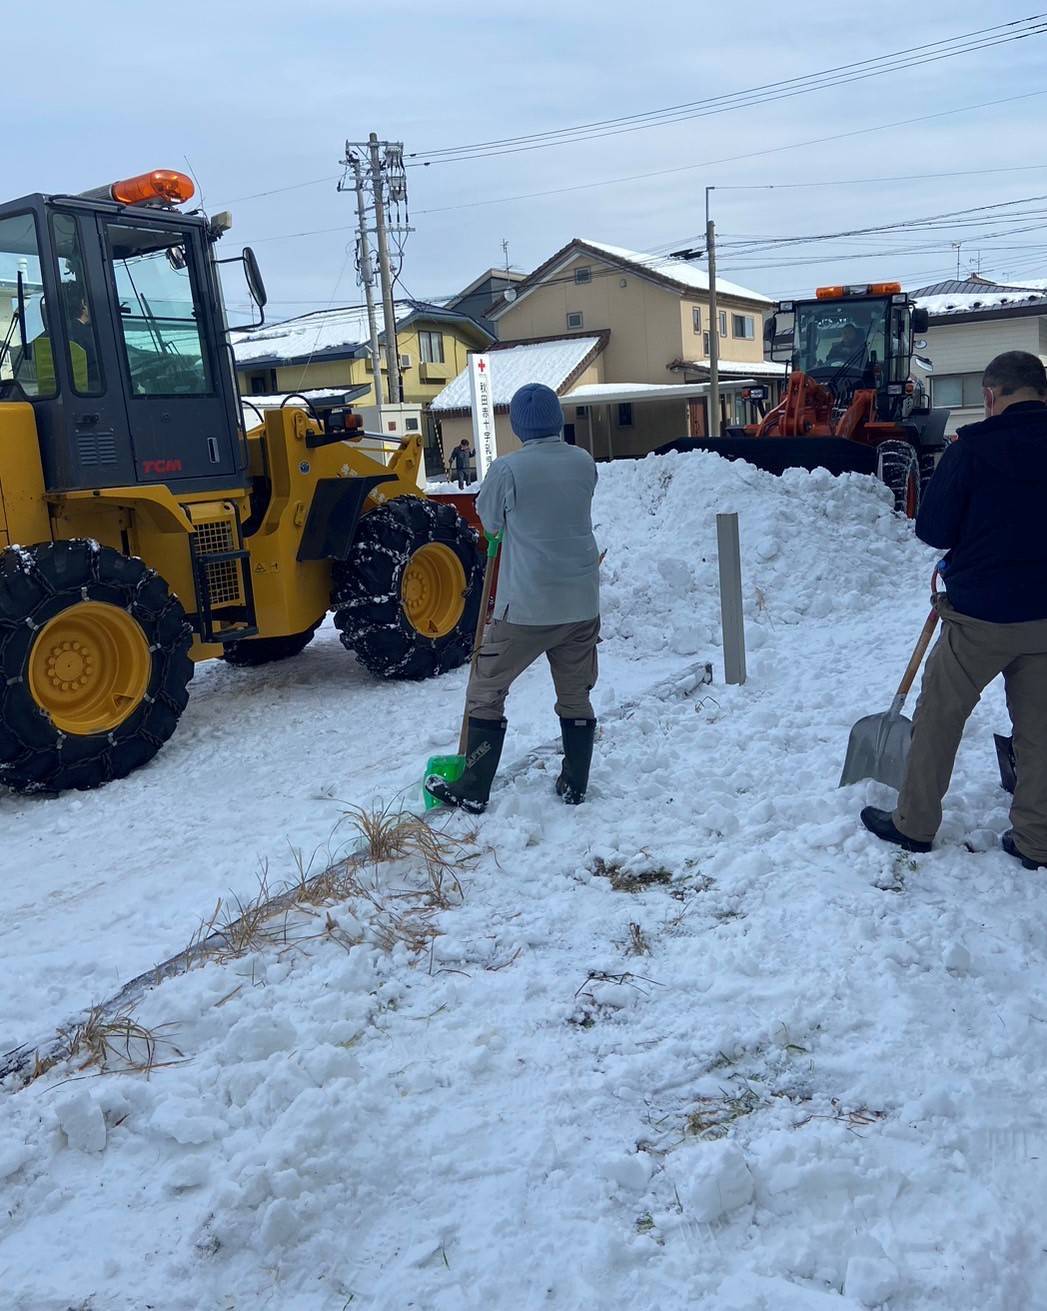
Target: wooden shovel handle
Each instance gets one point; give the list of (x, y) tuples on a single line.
[(481, 623), (917, 656)]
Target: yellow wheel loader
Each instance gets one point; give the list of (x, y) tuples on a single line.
[(142, 529)]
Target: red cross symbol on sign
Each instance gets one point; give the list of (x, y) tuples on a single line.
[(481, 365)]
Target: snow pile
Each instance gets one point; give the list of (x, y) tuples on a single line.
[(810, 543), (700, 1043)]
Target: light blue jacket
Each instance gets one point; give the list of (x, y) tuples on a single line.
[(541, 498)]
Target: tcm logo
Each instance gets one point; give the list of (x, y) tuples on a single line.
[(159, 467)]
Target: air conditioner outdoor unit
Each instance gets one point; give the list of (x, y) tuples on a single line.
[(405, 361)]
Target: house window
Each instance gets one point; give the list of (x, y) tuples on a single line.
[(574, 319), (583, 275), (696, 318), (742, 325), (625, 415), (581, 411), (411, 425), (262, 384), (957, 391), (723, 323), (705, 344), (431, 344)]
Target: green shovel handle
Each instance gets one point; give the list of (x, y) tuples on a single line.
[(494, 541)]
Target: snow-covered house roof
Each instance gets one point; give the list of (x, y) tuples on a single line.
[(737, 368), (979, 297), (335, 334), (555, 361), (671, 273), (675, 270)]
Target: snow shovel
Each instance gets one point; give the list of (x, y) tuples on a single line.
[(879, 744), (451, 768)]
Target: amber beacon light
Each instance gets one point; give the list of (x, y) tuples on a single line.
[(162, 184)]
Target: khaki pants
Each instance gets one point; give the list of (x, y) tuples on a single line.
[(508, 649), (968, 655)]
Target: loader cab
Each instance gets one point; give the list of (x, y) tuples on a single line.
[(850, 338), (111, 328)]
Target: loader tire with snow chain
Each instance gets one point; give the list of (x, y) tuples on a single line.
[(264, 650), (407, 598), (928, 464), (94, 665), (898, 466)]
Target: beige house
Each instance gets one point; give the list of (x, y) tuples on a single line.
[(655, 312), (973, 320)]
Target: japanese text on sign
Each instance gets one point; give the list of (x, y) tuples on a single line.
[(482, 396)]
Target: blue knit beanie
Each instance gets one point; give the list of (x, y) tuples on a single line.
[(535, 412)]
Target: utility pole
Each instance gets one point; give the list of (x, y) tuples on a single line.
[(385, 271), (367, 278), (387, 179), (714, 324)]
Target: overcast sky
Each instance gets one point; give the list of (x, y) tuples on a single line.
[(262, 95)]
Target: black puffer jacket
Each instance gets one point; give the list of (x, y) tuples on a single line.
[(987, 503)]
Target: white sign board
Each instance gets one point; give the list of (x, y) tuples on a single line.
[(484, 442)]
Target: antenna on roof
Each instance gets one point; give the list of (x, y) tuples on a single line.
[(510, 292)]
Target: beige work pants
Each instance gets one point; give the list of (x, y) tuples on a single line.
[(508, 649), (968, 655)]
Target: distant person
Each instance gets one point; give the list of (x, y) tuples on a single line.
[(461, 458), (985, 505), (548, 599)]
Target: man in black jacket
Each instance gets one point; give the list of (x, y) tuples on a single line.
[(986, 504)]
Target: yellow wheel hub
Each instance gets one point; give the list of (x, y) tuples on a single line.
[(433, 590), (89, 667)]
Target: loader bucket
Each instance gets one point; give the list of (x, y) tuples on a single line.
[(776, 454)]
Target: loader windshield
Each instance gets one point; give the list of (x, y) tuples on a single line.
[(160, 312), (845, 336), (26, 360)]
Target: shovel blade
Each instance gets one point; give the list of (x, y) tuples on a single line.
[(878, 749), (450, 768)]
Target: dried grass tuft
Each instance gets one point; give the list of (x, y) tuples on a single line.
[(116, 1041)]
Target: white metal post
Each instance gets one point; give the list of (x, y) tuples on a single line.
[(731, 619)]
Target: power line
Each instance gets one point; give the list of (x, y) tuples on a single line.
[(876, 67), (729, 159)]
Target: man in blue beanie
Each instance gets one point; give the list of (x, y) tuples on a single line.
[(540, 499)]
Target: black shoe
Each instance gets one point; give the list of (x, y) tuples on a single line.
[(578, 736), (482, 754), (881, 822), (1011, 847)]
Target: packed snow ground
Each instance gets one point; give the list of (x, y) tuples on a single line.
[(702, 1042)]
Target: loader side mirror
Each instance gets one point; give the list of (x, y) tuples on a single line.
[(253, 274), (921, 321), (255, 286)]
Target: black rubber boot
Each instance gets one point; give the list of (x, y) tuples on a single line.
[(578, 736), (1011, 847), (1008, 764), (881, 822), (482, 753)]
